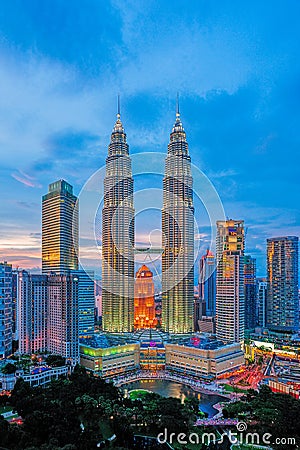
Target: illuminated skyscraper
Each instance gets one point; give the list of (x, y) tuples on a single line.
[(144, 304), (59, 229), (230, 300), (178, 236), (250, 292), (5, 309), (207, 282), (118, 236), (282, 284)]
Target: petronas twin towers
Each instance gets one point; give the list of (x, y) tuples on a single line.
[(118, 236)]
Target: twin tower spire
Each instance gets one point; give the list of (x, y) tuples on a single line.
[(118, 235)]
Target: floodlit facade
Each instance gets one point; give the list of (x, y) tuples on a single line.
[(108, 356), (144, 305), (5, 309), (250, 292), (230, 299), (118, 236), (203, 360), (59, 229), (282, 284), (178, 236)]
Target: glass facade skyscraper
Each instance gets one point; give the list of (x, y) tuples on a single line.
[(59, 229), (262, 302), (178, 236), (86, 302), (282, 284), (250, 292), (118, 236), (230, 299), (207, 282)]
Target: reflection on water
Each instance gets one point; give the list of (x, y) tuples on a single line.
[(178, 390)]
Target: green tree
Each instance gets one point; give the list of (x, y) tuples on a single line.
[(9, 368), (55, 361)]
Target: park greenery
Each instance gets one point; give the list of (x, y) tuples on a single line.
[(274, 413), (8, 369), (84, 411)]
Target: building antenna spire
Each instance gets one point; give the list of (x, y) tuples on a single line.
[(177, 106), (118, 113)]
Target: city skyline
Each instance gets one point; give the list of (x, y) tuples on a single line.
[(238, 106), (149, 224), (141, 238)]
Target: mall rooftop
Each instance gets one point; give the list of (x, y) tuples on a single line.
[(101, 340)]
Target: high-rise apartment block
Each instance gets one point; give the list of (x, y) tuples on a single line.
[(118, 236), (5, 309), (59, 229), (15, 277), (178, 236), (48, 314), (282, 284), (32, 308), (207, 282), (230, 300), (250, 292), (62, 324)]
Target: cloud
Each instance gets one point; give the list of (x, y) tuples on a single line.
[(238, 80), (26, 180)]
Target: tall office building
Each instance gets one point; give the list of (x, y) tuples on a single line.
[(144, 304), (62, 320), (250, 292), (207, 282), (86, 302), (32, 312), (262, 302), (118, 236), (5, 309), (230, 300), (178, 236), (59, 229), (282, 284)]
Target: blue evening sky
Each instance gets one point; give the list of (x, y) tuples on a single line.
[(235, 64)]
